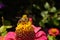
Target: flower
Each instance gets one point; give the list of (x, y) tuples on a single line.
[(27, 31), (53, 31), (10, 36), (1, 37), (24, 32), (39, 35)]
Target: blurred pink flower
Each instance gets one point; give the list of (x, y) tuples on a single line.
[(10, 36)]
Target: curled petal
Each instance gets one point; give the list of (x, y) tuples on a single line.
[(36, 29), (42, 38), (40, 33)]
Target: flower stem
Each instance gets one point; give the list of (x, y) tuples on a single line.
[(2, 20)]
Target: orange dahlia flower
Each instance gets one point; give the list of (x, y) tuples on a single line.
[(53, 31)]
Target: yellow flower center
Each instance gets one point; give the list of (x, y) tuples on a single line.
[(24, 16), (53, 30), (25, 31)]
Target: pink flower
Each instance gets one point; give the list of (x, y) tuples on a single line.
[(40, 35), (10, 36), (1, 37)]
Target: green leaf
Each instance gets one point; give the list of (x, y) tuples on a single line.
[(44, 13), (4, 33), (51, 37), (53, 9), (58, 18), (41, 24), (55, 20), (36, 6), (2, 28), (47, 6), (8, 26)]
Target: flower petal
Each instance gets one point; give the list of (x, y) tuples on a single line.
[(10, 35), (40, 33), (42, 38), (36, 29), (1, 38)]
